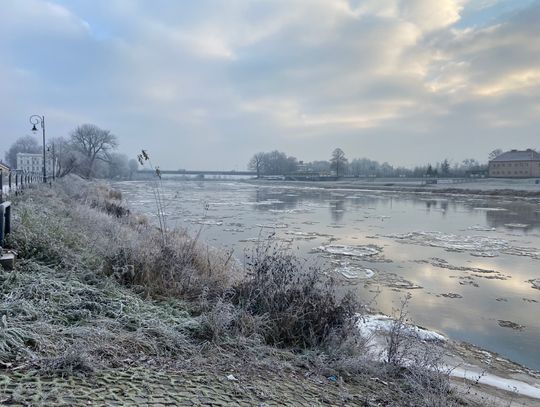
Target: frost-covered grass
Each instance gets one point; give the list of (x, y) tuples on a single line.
[(97, 286)]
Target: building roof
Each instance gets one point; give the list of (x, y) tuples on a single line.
[(4, 167), (518, 155)]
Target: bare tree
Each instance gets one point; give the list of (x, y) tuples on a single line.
[(93, 144), (494, 154), (256, 163), (26, 144), (338, 161), (64, 156)]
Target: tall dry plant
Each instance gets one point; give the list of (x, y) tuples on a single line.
[(157, 190)]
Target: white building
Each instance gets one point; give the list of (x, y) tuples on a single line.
[(29, 162)]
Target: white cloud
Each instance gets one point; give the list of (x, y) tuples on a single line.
[(249, 73)]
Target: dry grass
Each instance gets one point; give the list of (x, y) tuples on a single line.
[(98, 287)]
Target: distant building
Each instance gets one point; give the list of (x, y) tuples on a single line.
[(29, 162), (516, 164), (4, 167)]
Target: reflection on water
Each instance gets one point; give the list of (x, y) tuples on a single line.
[(467, 261)]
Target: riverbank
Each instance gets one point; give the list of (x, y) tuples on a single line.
[(131, 314)]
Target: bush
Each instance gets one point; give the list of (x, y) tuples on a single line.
[(298, 301)]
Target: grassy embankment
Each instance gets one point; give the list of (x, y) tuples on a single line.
[(105, 308)]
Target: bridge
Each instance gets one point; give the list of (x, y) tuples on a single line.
[(204, 172)]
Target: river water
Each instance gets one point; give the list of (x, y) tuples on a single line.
[(471, 264)]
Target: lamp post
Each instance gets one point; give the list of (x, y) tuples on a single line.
[(36, 119)]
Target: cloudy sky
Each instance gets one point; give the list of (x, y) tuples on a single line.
[(206, 83)]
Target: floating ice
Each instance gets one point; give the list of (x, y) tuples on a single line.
[(273, 225), (491, 209), (480, 228), (353, 251), (207, 222), (481, 246), (353, 272), (450, 242), (304, 235), (535, 283), (516, 225)]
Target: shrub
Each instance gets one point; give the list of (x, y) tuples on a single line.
[(298, 301)]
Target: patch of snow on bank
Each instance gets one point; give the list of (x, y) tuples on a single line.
[(511, 385), (371, 325), (376, 327)]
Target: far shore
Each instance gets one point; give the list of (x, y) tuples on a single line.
[(526, 188)]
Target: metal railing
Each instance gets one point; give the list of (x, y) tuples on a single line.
[(15, 182), (12, 183), (5, 222)]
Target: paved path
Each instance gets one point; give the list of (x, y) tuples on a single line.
[(154, 388)]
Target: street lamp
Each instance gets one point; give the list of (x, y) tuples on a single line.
[(36, 119)]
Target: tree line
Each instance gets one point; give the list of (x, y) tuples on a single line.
[(279, 163), (89, 151)]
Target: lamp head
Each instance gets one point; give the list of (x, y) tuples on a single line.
[(34, 129)]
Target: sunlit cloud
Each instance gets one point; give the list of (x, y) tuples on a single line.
[(274, 74)]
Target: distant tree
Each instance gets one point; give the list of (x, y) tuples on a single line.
[(133, 167), (65, 158), (470, 163), (338, 161), (445, 168), (256, 163), (429, 170), (319, 166), (494, 154), (93, 144), (118, 166), (26, 144), (273, 163)]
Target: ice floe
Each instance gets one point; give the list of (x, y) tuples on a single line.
[(516, 225), (352, 272), (481, 246), (273, 225), (535, 283), (352, 251)]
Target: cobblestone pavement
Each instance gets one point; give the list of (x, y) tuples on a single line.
[(158, 388)]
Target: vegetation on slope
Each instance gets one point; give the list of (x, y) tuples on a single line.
[(98, 288)]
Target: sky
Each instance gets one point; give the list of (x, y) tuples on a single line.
[(206, 84)]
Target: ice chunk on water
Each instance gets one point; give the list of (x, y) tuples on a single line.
[(535, 283), (353, 251), (480, 228), (353, 272), (273, 225), (476, 245), (516, 225)]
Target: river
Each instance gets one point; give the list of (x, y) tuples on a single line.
[(471, 264)]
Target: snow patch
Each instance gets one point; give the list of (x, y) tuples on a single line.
[(371, 325)]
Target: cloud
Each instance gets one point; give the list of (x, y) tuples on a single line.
[(213, 81)]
